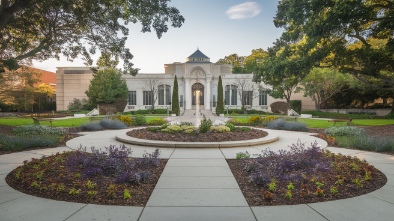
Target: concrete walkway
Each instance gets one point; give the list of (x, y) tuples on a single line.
[(196, 184)]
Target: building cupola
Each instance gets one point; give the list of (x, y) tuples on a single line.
[(198, 57)]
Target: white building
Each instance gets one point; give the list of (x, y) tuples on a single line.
[(198, 73)]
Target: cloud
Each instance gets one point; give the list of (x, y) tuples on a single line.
[(243, 11)]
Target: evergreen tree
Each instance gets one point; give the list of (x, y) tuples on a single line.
[(175, 99), (220, 104), (106, 87)]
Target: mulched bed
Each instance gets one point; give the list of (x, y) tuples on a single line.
[(57, 182), (197, 137), (302, 193)]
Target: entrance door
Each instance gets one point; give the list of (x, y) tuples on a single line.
[(198, 87)]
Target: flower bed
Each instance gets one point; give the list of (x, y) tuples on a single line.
[(303, 175), (107, 178)]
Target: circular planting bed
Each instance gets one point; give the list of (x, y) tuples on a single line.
[(197, 137), (106, 178), (240, 138)]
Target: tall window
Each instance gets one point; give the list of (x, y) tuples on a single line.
[(230, 95), (262, 98), (147, 98), (164, 92), (247, 97), (132, 97)]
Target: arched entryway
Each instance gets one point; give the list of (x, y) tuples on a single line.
[(197, 87)]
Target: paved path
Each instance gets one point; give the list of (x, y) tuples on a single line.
[(196, 184)]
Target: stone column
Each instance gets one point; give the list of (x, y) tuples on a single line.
[(208, 94), (188, 93)]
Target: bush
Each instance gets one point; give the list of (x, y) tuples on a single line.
[(77, 105), (38, 130), (242, 155), (230, 125), (154, 129), (172, 129), (254, 120), (157, 121), (235, 121), (139, 120), (125, 119), (283, 125), (20, 143), (345, 131), (242, 128), (267, 119), (279, 107), (91, 126), (296, 105), (205, 125), (377, 144), (112, 124), (220, 129)]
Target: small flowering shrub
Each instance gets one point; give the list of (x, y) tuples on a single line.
[(254, 120), (157, 121), (267, 119), (125, 119), (220, 129), (172, 129)]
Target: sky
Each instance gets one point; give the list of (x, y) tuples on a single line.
[(216, 27)]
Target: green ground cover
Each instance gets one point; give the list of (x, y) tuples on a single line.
[(69, 122), (320, 123)]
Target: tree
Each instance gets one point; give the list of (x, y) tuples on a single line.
[(175, 98), (244, 64), (220, 104), (151, 85), (47, 28), (282, 69), (246, 90), (42, 93), (17, 88), (356, 37), (107, 87), (236, 61), (323, 83), (252, 61)]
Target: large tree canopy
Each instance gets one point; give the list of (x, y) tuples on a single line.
[(355, 36), (42, 29), (244, 64)]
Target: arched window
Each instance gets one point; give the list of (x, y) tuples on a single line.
[(164, 94), (230, 95)]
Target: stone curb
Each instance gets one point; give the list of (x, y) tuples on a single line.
[(123, 137)]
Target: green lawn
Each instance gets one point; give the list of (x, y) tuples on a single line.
[(317, 123), (70, 122)]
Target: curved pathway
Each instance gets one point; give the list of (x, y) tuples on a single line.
[(196, 184)]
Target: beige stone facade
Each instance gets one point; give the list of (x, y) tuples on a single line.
[(196, 74)]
